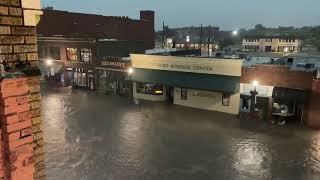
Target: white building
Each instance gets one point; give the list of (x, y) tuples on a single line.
[(271, 44), (205, 83)]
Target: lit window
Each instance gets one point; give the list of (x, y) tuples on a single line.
[(72, 54), (148, 88), (86, 55)]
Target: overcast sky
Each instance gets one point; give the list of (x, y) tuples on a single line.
[(228, 14)]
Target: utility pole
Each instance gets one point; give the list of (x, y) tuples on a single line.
[(163, 34), (209, 40), (201, 34)]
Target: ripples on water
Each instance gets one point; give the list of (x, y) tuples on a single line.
[(91, 136)]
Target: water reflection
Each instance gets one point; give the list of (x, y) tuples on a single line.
[(92, 136), (251, 158)]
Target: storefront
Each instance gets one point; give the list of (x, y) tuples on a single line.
[(256, 97), (79, 76), (205, 83), (290, 104), (112, 76)]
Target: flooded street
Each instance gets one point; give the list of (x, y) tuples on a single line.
[(92, 136)]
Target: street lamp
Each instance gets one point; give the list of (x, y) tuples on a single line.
[(235, 32), (130, 71), (254, 94), (49, 62)]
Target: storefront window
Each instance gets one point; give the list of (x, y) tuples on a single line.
[(184, 94), (80, 78), (86, 55), (72, 54), (148, 88), (225, 99), (55, 53)]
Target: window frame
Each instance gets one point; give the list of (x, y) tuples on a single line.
[(56, 56), (82, 52), (76, 53), (184, 94), (226, 96)]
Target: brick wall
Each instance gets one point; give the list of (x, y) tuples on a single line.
[(22, 145), (314, 106), (280, 76)]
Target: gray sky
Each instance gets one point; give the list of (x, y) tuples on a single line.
[(228, 14)]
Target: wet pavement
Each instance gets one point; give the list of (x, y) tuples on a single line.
[(92, 136)]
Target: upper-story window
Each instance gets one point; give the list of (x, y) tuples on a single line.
[(86, 55), (268, 40), (42, 52), (55, 53), (72, 54)]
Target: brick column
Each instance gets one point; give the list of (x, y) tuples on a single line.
[(22, 144)]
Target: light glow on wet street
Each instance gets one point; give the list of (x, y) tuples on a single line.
[(95, 136)]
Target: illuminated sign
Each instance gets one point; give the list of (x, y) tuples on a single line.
[(116, 64), (228, 67)]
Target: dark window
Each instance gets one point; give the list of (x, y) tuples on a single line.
[(72, 54), (184, 94), (86, 55), (225, 99), (149, 88), (42, 52), (55, 53)]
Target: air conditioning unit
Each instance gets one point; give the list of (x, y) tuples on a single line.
[(318, 73)]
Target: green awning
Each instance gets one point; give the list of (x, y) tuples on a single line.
[(208, 82)]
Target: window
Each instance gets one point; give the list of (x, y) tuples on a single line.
[(225, 99), (184, 94), (42, 52), (86, 55), (72, 54), (55, 53), (149, 88)]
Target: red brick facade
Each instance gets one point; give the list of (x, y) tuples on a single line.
[(280, 76), (22, 144), (77, 25)]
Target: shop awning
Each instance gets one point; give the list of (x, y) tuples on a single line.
[(288, 94), (197, 81)]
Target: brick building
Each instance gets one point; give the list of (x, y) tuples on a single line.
[(76, 44), (277, 86), (22, 144)]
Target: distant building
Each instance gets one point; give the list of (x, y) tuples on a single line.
[(193, 38), (86, 50), (272, 44)]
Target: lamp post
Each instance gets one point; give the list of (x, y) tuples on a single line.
[(187, 40), (130, 72), (235, 33), (254, 94)]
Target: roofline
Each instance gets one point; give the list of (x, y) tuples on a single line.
[(64, 39), (271, 37)]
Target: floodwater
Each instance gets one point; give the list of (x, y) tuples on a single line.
[(92, 136)]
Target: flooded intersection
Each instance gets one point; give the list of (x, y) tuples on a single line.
[(95, 136)]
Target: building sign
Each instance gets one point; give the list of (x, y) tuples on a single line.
[(228, 67), (115, 64)]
